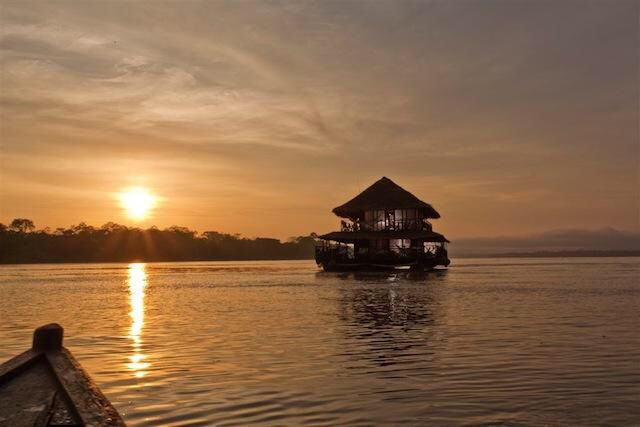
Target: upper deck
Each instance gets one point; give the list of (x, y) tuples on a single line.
[(388, 220)]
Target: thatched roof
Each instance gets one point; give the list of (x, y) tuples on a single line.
[(384, 194), (352, 236)]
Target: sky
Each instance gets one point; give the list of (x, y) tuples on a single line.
[(259, 117)]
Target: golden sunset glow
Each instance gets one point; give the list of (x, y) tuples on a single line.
[(138, 202), (137, 283), (234, 132)]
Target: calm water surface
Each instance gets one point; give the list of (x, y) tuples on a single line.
[(489, 342)]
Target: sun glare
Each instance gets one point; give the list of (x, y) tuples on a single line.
[(138, 202)]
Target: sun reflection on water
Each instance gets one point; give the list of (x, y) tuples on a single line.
[(137, 285)]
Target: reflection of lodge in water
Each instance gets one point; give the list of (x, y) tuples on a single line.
[(387, 227), (389, 317), (382, 306)]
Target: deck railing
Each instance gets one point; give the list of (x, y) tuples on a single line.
[(395, 225), (344, 254)]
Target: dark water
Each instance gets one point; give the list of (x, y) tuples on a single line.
[(532, 342)]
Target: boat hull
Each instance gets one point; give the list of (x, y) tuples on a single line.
[(46, 386), (425, 265)]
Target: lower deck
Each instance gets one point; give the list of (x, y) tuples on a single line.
[(381, 254)]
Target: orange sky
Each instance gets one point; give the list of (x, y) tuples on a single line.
[(260, 117)]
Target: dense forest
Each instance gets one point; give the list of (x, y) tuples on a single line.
[(20, 242)]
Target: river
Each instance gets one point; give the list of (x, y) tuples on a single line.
[(535, 342)]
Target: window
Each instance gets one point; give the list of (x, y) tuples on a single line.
[(405, 219), (368, 220), (392, 219), (379, 220), (430, 248), (350, 251), (399, 245)]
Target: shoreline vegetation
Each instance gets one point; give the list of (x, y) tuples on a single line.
[(21, 243)]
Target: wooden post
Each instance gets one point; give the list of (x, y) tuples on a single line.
[(48, 338)]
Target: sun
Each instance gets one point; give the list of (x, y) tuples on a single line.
[(138, 202)]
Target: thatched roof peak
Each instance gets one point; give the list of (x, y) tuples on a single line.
[(384, 194)]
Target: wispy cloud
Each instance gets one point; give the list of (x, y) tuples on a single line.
[(507, 116)]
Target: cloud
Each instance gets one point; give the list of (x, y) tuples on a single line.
[(510, 117)]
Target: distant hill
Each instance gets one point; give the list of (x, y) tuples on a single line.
[(602, 242), (560, 254)]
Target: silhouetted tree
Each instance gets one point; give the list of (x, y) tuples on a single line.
[(115, 242), (111, 227), (22, 225)]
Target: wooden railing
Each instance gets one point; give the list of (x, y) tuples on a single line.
[(393, 225)]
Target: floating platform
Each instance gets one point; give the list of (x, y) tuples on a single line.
[(357, 266), (46, 387)]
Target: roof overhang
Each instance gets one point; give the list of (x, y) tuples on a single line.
[(384, 194)]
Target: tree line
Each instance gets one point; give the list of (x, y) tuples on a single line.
[(21, 242)]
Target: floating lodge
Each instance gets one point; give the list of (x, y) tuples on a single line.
[(384, 227)]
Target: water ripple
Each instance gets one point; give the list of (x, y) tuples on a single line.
[(488, 343)]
